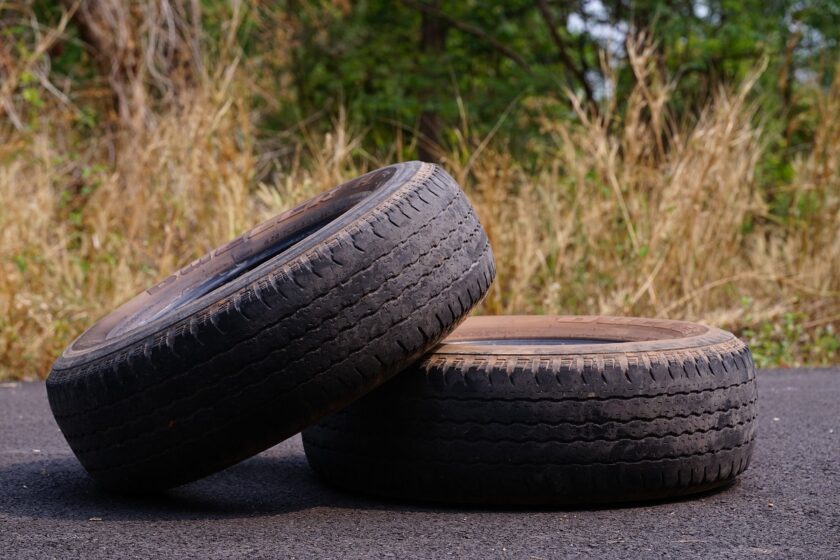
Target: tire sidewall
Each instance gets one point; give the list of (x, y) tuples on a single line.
[(71, 358)]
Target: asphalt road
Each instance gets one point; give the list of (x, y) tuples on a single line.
[(787, 505)]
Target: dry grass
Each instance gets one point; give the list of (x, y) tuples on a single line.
[(641, 214), (624, 214)]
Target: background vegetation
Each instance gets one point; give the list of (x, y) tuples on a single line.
[(673, 159)]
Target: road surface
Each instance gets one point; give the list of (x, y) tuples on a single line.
[(787, 505)]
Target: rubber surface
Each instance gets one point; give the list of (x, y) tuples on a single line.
[(272, 506), (297, 337), (667, 409)]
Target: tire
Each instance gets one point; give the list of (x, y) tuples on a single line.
[(287, 323), (498, 414)]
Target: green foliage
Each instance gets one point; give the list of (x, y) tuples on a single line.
[(786, 342), (369, 57)]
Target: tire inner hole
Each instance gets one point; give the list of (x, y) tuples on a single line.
[(535, 341)]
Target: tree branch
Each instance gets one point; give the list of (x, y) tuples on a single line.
[(567, 61)]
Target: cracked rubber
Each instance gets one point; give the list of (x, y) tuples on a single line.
[(371, 275), (498, 415)]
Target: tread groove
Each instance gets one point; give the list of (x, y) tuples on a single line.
[(523, 428), (272, 353)]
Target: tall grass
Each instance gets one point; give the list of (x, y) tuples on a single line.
[(638, 212)]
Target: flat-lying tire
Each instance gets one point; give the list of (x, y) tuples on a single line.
[(281, 326), (551, 410)]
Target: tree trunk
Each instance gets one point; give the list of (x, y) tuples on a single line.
[(432, 46)]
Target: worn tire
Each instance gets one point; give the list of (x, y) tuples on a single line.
[(280, 327), (497, 416)]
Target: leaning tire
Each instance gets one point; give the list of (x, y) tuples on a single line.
[(283, 325), (499, 414)]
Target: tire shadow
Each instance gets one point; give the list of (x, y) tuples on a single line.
[(59, 488), (265, 485), (410, 504)]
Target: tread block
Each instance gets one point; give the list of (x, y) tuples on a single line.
[(302, 337), (569, 428)]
